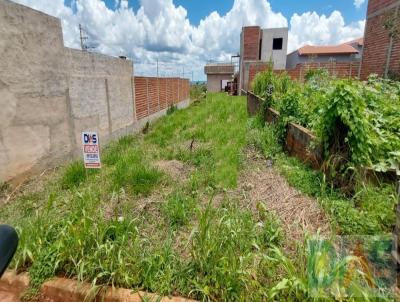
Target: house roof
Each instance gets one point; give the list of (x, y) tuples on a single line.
[(342, 49), (359, 41)]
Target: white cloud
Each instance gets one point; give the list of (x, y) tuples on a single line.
[(358, 3), (161, 30), (311, 28)]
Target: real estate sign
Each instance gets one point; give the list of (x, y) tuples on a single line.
[(91, 150)]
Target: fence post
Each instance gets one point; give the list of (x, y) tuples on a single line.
[(158, 94), (147, 97)]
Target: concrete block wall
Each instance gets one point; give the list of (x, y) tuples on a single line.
[(381, 54), (100, 94), (33, 83), (49, 94)]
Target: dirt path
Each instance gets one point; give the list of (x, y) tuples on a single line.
[(299, 214)]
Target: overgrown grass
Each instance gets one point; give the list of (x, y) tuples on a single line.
[(104, 226), (131, 225), (369, 212), (209, 135)]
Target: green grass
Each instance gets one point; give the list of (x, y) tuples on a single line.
[(369, 212), (179, 209), (132, 225), (216, 126)]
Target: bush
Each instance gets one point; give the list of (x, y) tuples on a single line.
[(364, 113)]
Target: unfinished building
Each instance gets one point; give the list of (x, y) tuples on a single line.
[(261, 45), (218, 76)]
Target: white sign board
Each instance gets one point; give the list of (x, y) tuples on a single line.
[(91, 150)]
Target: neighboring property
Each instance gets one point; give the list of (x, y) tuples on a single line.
[(341, 61), (382, 39), (218, 75), (342, 53), (261, 46)]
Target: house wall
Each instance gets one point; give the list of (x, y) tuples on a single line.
[(381, 53), (49, 94), (293, 59), (249, 49), (278, 57), (214, 81)]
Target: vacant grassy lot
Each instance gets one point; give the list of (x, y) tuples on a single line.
[(160, 215)]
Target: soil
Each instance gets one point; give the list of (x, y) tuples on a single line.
[(174, 168)]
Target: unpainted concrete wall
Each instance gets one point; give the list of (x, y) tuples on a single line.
[(49, 94), (214, 81), (278, 57), (294, 59), (33, 87)]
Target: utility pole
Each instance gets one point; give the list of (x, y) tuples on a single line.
[(83, 38)]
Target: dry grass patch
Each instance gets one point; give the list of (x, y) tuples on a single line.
[(178, 170), (299, 214)]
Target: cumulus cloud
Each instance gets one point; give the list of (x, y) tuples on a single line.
[(160, 30), (311, 28), (358, 3)]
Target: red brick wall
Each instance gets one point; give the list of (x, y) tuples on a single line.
[(341, 70), (251, 42), (155, 94), (375, 5), (377, 40), (141, 97)]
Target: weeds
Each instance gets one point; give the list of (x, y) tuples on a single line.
[(171, 109), (171, 242), (369, 212), (179, 208), (74, 175)]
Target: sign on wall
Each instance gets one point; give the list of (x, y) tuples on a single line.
[(91, 150)]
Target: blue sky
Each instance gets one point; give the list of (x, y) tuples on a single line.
[(199, 9)]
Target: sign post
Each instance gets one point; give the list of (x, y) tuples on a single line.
[(91, 150)]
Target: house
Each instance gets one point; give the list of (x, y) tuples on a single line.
[(218, 75), (343, 53)]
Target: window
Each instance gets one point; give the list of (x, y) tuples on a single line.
[(277, 44)]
